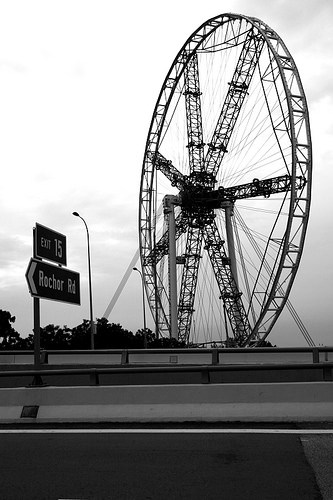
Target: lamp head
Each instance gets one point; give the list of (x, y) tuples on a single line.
[(76, 214)]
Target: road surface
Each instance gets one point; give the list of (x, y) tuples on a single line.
[(134, 464)]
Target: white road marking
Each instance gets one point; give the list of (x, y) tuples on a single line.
[(166, 431)]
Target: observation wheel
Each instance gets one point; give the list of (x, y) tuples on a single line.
[(226, 185)]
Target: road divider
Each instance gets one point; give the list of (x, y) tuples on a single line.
[(288, 402)]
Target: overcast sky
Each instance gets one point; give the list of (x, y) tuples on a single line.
[(78, 84)]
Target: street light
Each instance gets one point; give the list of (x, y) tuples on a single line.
[(92, 329), (143, 306)]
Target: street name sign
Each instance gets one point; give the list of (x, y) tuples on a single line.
[(47, 281), (50, 245)]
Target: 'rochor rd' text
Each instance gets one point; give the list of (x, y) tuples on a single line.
[(54, 283)]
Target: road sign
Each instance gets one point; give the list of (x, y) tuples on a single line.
[(47, 281), (50, 245)]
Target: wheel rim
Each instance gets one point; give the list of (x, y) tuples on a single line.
[(230, 139)]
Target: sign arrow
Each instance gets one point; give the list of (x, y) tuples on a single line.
[(30, 271)]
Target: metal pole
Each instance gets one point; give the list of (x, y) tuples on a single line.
[(143, 306), (169, 204), (226, 326), (37, 380), (92, 328), (231, 242), (233, 263), (37, 333)]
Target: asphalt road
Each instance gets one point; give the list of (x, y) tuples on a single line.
[(133, 465)]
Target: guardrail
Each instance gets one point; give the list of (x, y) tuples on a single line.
[(323, 371), (213, 356)]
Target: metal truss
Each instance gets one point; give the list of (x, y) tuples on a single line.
[(199, 199), (238, 90)]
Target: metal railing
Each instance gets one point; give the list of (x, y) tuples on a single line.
[(323, 371), (205, 365), (213, 356)]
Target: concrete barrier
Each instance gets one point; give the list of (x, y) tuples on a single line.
[(12, 358), (84, 359), (302, 401), (180, 358), (264, 357)]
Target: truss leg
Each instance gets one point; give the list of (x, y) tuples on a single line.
[(232, 257), (231, 243), (169, 203), (189, 282)]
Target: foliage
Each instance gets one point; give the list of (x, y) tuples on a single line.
[(112, 336), (80, 338), (107, 336), (165, 343), (265, 343), (8, 335), (54, 337)]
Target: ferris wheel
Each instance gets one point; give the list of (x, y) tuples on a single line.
[(225, 186)]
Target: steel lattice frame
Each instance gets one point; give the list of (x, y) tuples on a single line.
[(261, 122)]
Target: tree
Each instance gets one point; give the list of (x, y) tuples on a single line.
[(80, 338), (54, 337), (265, 343), (27, 343), (113, 336), (108, 336), (144, 338), (166, 343), (9, 337)]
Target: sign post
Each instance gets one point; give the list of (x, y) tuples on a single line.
[(49, 281), (37, 380)]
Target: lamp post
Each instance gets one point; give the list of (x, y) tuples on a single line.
[(92, 329), (143, 306)]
